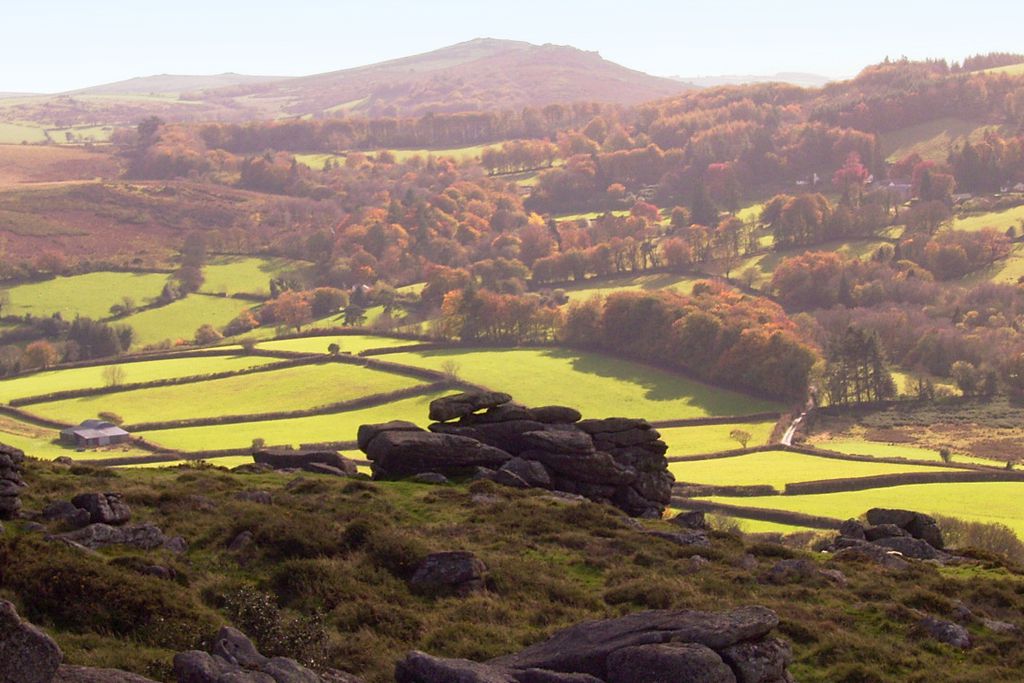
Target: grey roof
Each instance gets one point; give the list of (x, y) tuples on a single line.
[(94, 429)]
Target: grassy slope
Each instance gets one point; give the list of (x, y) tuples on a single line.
[(778, 468), (89, 295), (598, 385), (305, 386), (679, 283), (15, 134), (713, 438), (1006, 271), (354, 343), (932, 140), (244, 275), (181, 319), (765, 264), (550, 565), (981, 502), (998, 220), (319, 428), (145, 371)]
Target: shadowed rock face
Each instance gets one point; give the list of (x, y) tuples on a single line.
[(27, 655), (309, 460), (647, 647), (619, 461)]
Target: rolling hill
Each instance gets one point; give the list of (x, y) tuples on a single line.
[(173, 84)]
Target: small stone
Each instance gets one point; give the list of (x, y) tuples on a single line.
[(946, 632), (694, 519), (258, 497), (240, 542), (431, 478), (455, 572)]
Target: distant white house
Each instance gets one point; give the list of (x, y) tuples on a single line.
[(93, 433)]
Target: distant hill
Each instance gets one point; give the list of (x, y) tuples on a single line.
[(481, 74), (804, 80), (172, 84)]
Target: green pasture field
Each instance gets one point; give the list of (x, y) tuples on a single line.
[(90, 295), (460, 154), (295, 431), (589, 215), (932, 139), (180, 320), (316, 161), (306, 386), (751, 214), (877, 449), (1010, 70), (778, 468), (906, 383), (40, 442), (581, 291), (15, 134), (997, 220), (713, 438), (353, 343), (80, 134), (596, 384), (142, 371), (244, 275), (989, 502), (1006, 271)]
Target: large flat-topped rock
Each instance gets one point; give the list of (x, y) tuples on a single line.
[(461, 405)]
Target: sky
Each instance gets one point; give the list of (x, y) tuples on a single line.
[(66, 44)]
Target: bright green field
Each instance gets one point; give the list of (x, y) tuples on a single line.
[(682, 284), (306, 386), (598, 385), (145, 371), (38, 442), (90, 295), (457, 153), (181, 319), (15, 134), (1012, 70), (315, 429), (989, 502), (892, 450), (589, 216), (778, 468), (713, 438), (244, 275), (998, 220), (354, 343)]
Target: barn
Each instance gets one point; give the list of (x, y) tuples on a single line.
[(93, 433)]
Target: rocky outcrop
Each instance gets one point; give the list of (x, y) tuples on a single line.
[(103, 508), (27, 655), (890, 536), (233, 658), (620, 461), (647, 647), (11, 482), (313, 461)]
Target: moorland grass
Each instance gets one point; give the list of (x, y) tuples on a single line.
[(90, 295), (713, 438), (778, 468), (998, 502), (596, 384), (51, 381), (296, 388), (295, 431), (180, 320)]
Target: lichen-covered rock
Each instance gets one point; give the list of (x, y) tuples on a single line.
[(916, 524), (27, 655), (66, 513), (95, 536), (11, 483), (946, 632), (688, 662), (368, 433), (404, 454), (522, 473), (287, 459), (104, 508), (760, 661), (555, 414), (419, 667), (83, 674), (234, 659), (449, 573)]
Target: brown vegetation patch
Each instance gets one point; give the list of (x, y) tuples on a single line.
[(20, 164)]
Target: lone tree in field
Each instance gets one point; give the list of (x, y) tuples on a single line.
[(740, 436), (333, 348), (113, 375)]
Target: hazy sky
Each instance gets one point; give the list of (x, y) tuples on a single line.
[(65, 44)]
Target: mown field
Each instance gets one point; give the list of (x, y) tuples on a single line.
[(713, 438), (990, 502), (778, 468), (245, 275), (315, 429), (130, 373), (180, 320), (581, 291), (596, 384), (350, 343), (90, 295), (297, 388)]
